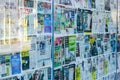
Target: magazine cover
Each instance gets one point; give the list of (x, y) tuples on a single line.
[(107, 5), (47, 23), (113, 42), (106, 23), (2, 66), (43, 50), (93, 46), (101, 22), (87, 70), (106, 64), (86, 47), (31, 22), (100, 68), (57, 21), (40, 28), (25, 60), (42, 74), (93, 3), (113, 62), (29, 3), (78, 73), (84, 21), (94, 69), (106, 45), (44, 7), (79, 48), (69, 72), (15, 63), (69, 21), (32, 52), (99, 42), (8, 65), (59, 51), (70, 49), (89, 4), (58, 74)]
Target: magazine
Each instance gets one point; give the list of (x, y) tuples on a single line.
[(107, 5), (43, 50), (58, 74), (59, 51), (84, 21), (70, 49), (44, 7), (2, 66), (15, 63), (69, 72), (29, 3), (25, 60)]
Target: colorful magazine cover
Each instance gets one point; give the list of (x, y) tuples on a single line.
[(64, 20), (47, 23), (59, 51), (25, 60), (58, 16), (69, 21), (44, 7), (77, 73), (93, 46), (15, 63), (70, 49), (8, 65)]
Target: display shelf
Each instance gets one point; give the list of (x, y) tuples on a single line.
[(75, 38), (25, 72)]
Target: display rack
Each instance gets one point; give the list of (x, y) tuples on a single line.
[(59, 40)]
